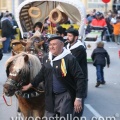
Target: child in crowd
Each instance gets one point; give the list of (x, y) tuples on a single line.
[(99, 57)]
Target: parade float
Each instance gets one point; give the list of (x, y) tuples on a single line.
[(31, 11)]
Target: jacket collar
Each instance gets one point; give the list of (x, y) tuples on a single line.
[(62, 55), (78, 43)]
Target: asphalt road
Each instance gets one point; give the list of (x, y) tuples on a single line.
[(102, 103)]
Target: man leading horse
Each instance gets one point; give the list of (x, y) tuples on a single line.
[(64, 80)]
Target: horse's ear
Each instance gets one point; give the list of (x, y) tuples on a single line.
[(26, 58), (13, 53), (23, 43)]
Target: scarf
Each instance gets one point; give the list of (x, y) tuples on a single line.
[(78, 43), (60, 57)]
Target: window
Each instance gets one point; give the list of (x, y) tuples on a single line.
[(94, 1), (90, 0), (95, 5)]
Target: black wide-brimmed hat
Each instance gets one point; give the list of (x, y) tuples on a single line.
[(61, 30), (73, 31), (54, 36)]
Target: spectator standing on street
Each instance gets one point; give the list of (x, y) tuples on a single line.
[(7, 31), (113, 18), (64, 80), (99, 57), (90, 17), (116, 30), (14, 24)]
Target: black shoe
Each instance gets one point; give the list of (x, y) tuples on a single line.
[(98, 84), (103, 82)]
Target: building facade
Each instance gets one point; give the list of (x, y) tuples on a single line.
[(11, 5), (97, 4)]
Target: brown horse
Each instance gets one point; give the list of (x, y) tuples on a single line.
[(21, 70)]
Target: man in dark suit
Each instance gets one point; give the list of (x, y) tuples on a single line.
[(77, 48)]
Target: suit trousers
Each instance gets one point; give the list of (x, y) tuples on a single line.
[(63, 107)]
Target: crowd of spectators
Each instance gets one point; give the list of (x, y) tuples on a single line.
[(110, 19)]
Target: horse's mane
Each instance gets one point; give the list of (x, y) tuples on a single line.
[(33, 65)]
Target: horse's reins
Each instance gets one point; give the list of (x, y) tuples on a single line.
[(6, 100), (40, 91)]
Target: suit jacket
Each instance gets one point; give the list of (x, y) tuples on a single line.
[(7, 28), (100, 56)]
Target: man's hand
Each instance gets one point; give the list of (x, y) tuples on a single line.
[(108, 65), (25, 88), (78, 105)]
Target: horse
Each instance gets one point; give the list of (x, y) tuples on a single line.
[(21, 70)]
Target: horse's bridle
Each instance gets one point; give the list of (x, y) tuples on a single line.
[(15, 83), (18, 85)]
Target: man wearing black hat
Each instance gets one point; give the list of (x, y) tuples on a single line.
[(62, 32), (77, 48), (64, 80)]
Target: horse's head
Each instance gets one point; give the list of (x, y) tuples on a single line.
[(17, 73)]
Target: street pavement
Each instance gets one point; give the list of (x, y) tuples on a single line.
[(102, 103)]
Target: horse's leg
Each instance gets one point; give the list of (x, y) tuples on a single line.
[(26, 113), (36, 115), (24, 107), (32, 107)]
